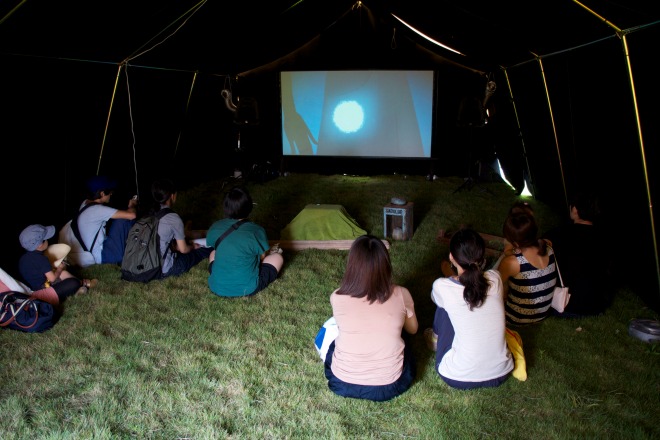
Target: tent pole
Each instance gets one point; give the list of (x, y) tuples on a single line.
[(522, 140), (107, 122), (626, 54), (554, 130), (641, 147), (9, 14), (192, 86)]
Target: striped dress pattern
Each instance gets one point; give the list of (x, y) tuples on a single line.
[(530, 292)]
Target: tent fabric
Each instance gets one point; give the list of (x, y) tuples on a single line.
[(322, 222), (232, 37), (369, 27)]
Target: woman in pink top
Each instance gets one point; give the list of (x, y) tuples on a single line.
[(370, 359)]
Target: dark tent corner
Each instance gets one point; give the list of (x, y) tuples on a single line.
[(135, 90)]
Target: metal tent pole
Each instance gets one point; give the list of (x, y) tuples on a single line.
[(621, 34)]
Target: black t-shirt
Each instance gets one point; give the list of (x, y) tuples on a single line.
[(584, 262)]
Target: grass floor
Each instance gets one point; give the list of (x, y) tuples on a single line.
[(170, 360)]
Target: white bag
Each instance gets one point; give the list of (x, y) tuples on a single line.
[(560, 295), (326, 334)]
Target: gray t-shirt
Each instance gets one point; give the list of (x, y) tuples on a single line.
[(170, 228)]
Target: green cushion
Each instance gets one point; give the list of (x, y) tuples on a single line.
[(322, 222)]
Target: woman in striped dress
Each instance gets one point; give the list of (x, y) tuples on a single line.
[(528, 270)]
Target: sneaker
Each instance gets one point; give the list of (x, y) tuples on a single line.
[(431, 339), (82, 290)]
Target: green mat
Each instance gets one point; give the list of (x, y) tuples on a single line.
[(322, 222)]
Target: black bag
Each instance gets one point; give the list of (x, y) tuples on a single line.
[(142, 260), (21, 312)]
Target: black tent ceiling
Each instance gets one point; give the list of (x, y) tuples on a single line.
[(230, 37)]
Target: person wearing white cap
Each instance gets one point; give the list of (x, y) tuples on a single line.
[(36, 269), (102, 228)]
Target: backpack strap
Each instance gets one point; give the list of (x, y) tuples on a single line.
[(160, 214), (229, 231), (163, 212), (76, 230)]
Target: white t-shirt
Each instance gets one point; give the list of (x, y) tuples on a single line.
[(479, 351)]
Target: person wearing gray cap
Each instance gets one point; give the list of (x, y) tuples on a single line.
[(36, 269)]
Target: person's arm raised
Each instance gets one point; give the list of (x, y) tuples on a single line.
[(129, 213)]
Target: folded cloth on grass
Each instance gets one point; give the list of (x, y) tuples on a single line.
[(8, 283), (514, 341), (322, 222)]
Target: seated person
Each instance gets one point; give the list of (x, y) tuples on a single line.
[(36, 269), (583, 259), (243, 263), (370, 358), (469, 324), (179, 256), (528, 273), (103, 246)]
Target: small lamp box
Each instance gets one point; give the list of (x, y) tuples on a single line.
[(398, 221)]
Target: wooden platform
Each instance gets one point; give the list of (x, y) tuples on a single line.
[(293, 245)]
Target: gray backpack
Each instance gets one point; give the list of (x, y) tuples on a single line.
[(142, 260)]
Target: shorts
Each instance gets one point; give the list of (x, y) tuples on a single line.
[(376, 393), (267, 274)]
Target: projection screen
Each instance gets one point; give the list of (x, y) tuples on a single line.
[(382, 114)]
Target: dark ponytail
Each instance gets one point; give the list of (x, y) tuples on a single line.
[(468, 249)]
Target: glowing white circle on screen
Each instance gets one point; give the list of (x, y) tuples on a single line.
[(348, 116)]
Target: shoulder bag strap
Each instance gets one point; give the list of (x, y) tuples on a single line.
[(229, 231), (557, 266), (76, 230)]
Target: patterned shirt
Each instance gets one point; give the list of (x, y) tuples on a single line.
[(530, 292)]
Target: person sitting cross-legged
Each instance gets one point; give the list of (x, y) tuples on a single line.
[(37, 271), (469, 327), (370, 358), (103, 229), (178, 256), (584, 259), (243, 263)]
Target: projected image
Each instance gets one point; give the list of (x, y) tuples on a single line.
[(357, 113)]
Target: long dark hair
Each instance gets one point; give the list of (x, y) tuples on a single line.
[(467, 248), (368, 270)]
